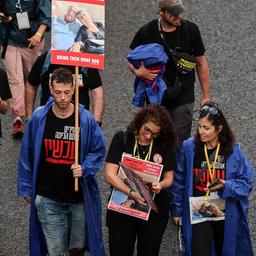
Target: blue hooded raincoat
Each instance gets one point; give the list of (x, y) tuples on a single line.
[(92, 152), (151, 55), (238, 185)]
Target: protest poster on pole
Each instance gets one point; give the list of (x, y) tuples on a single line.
[(78, 39), (78, 33)]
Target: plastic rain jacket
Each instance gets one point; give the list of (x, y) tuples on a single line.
[(153, 55), (238, 185), (91, 154)]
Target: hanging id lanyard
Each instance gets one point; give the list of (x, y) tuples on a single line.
[(211, 171), (136, 148), (22, 17)]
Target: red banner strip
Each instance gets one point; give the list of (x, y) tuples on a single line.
[(97, 2), (77, 59)]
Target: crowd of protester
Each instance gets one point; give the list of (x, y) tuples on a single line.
[(58, 161)]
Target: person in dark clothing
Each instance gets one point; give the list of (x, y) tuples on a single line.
[(22, 39), (88, 78), (5, 94), (183, 36), (150, 136)]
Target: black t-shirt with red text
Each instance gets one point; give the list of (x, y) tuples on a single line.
[(55, 177), (200, 188)]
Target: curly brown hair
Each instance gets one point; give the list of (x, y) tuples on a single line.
[(226, 136), (159, 116)]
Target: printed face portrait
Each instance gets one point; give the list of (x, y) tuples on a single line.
[(84, 18), (70, 16)]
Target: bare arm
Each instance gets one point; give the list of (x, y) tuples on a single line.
[(37, 37), (113, 179), (98, 102), (166, 182), (30, 96), (3, 106), (204, 78)]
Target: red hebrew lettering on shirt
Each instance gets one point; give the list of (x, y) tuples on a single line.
[(59, 151)]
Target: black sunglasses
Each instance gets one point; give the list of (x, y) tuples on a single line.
[(209, 110)]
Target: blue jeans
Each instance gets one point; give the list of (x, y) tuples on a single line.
[(63, 224)]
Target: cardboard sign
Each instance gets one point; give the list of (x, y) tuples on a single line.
[(78, 33)]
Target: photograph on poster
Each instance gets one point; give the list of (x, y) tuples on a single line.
[(138, 175), (201, 210), (78, 32)]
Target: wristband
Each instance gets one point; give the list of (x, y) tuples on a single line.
[(39, 34), (130, 192)]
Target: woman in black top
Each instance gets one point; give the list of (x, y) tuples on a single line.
[(149, 136), (213, 179)]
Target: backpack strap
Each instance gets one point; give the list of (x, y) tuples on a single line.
[(186, 30)]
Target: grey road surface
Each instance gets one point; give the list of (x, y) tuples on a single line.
[(228, 30)]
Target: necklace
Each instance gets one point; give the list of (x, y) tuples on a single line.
[(136, 150), (144, 149)]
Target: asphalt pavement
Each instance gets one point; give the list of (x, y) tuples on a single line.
[(228, 30)]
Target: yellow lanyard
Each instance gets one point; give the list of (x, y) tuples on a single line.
[(211, 171), (136, 148)]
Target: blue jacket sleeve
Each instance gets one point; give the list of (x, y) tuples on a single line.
[(25, 165), (178, 187), (93, 160), (240, 185)]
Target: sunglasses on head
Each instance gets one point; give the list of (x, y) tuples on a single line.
[(209, 110)]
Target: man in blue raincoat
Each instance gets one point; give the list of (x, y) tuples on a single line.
[(62, 221)]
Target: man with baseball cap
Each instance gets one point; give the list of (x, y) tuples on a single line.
[(173, 32), (174, 7)]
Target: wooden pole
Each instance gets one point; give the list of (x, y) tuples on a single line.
[(76, 123)]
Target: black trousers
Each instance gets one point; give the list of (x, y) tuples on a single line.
[(124, 230), (182, 118), (0, 129), (204, 235)]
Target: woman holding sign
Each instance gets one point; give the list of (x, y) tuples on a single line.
[(212, 168), (149, 136)]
